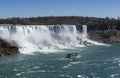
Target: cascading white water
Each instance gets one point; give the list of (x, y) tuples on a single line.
[(32, 38), (84, 30)]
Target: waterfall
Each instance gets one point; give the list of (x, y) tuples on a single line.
[(32, 38), (84, 30)]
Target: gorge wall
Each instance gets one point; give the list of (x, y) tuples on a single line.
[(103, 33)]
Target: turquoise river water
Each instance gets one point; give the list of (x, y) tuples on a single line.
[(95, 62)]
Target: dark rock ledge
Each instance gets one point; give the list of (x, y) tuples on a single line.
[(7, 49), (106, 36)]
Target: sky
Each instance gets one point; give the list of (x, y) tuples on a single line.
[(34, 8)]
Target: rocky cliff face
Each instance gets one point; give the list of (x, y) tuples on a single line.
[(107, 36), (7, 49), (102, 33)]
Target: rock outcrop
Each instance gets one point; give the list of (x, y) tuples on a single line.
[(107, 36), (7, 49)]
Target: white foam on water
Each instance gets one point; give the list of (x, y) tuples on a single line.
[(80, 76), (114, 75), (44, 38), (78, 62)]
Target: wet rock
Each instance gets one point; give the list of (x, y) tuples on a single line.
[(7, 49)]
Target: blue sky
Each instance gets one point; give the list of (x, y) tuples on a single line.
[(30, 8)]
